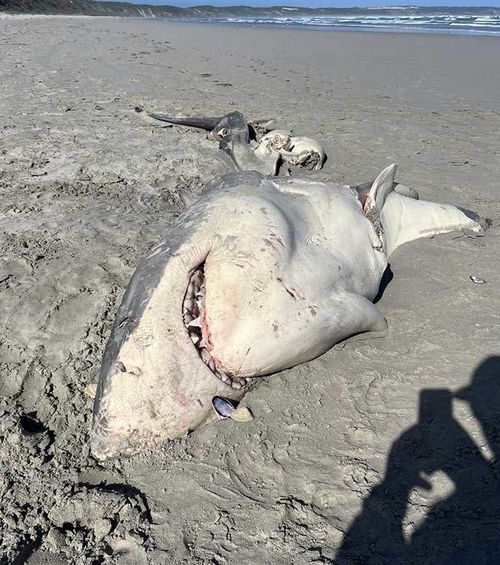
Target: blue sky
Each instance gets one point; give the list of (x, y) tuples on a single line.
[(316, 3)]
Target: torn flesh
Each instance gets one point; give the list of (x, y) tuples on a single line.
[(299, 151), (304, 152), (194, 317)]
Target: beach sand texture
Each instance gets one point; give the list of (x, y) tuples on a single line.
[(87, 187)]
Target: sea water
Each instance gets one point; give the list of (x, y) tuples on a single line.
[(399, 20)]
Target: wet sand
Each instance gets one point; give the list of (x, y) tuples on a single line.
[(87, 188)]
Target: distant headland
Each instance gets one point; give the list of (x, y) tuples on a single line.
[(124, 9)]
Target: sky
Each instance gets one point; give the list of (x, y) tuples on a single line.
[(317, 3)]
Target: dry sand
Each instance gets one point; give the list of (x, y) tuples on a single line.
[(87, 188)]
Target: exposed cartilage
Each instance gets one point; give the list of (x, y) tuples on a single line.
[(193, 315)]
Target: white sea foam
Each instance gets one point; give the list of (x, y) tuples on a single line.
[(401, 21)]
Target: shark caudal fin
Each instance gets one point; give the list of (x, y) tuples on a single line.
[(406, 219), (399, 216)]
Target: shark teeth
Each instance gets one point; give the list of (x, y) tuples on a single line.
[(193, 308), (196, 323)]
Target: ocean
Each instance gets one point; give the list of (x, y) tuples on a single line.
[(467, 21)]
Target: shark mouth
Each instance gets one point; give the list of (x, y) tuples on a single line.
[(194, 317)]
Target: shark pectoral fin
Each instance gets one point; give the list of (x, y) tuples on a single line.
[(373, 319), (368, 322), (361, 337), (381, 187), (362, 319)]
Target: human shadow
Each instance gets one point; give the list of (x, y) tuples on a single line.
[(462, 529)]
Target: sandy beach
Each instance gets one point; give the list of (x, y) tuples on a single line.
[(347, 460)]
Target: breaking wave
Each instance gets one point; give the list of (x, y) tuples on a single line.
[(438, 23)]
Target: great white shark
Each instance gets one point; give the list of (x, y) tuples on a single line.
[(258, 275)]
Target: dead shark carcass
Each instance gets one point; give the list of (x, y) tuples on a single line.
[(257, 147), (258, 275)]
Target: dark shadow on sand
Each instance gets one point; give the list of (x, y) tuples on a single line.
[(384, 282), (464, 528)]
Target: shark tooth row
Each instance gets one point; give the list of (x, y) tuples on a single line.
[(192, 315)]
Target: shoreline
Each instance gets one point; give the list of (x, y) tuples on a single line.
[(342, 29), (310, 27)]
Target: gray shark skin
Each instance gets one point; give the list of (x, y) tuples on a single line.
[(234, 135), (258, 275)]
